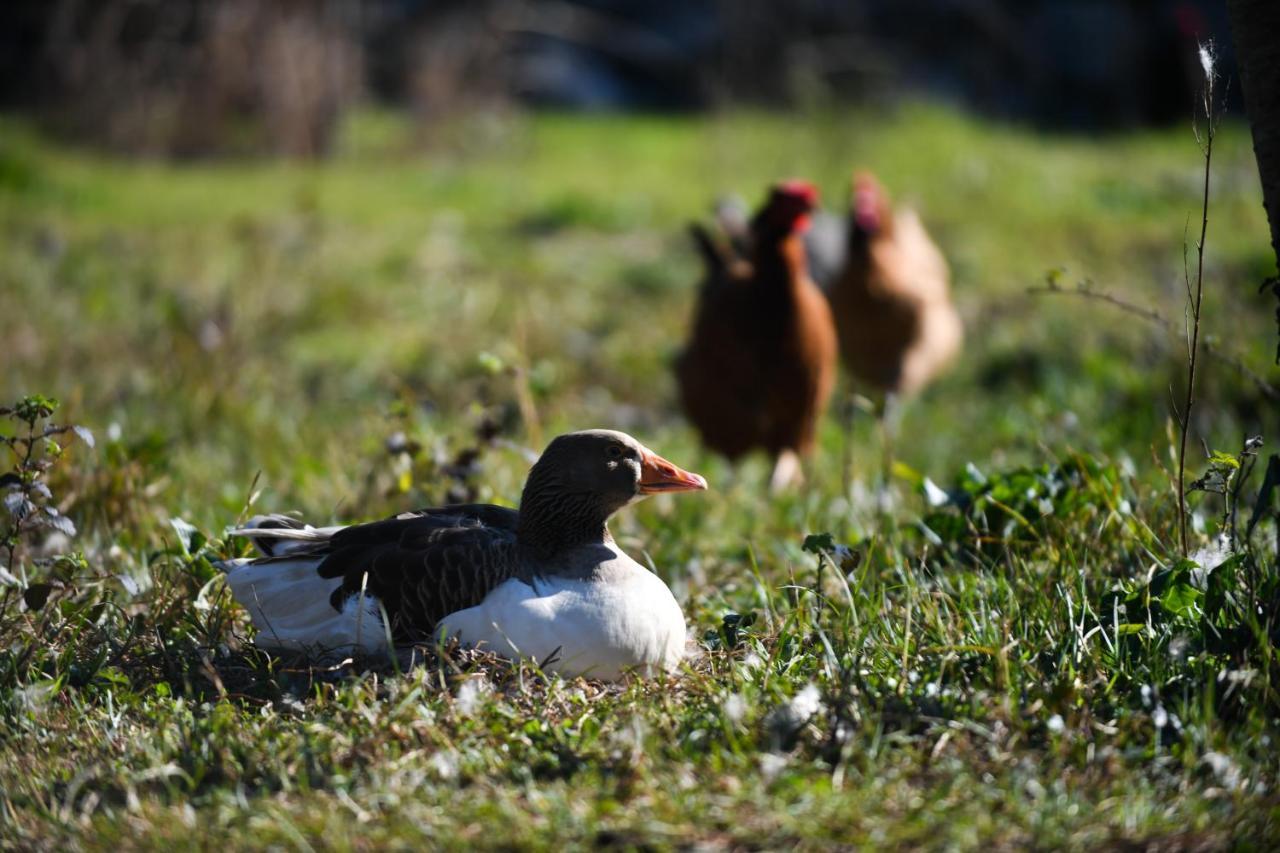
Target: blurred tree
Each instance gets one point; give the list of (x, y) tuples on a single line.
[(1255, 27)]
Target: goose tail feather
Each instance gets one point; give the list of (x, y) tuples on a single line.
[(280, 535), (290, 603)]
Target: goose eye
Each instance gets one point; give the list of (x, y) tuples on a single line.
[(614, 451)]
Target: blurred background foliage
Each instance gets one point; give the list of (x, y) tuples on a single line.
[(200, 77)]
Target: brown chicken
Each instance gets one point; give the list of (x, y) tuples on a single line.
[(892, 303), (760, 363)]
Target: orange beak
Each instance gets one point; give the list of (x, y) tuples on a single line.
[(659, 475)]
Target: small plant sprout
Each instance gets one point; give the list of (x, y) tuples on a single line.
[(1226, 476), (29, 505)]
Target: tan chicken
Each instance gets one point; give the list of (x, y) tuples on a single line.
[(892, 303), (759, 367)]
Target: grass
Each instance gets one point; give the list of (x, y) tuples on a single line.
[(1026, 665)]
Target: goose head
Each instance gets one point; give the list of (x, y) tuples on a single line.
[(583, 478)]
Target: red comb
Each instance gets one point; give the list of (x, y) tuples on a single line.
[(798, 189), (867, 199)]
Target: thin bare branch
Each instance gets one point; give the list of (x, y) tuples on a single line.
[(1086, 291)]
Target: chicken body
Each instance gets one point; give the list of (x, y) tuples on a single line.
[(759, 367), (892, 304)]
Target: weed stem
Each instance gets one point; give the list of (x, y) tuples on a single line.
[(1184, 421)]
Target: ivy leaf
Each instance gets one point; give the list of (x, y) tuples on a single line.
[(1221, 584), (59, 522), (729, 635), (190, 538), (18, 505), (1175, 589), (36, 595), (35, 407), (816, 543), (1226, 460), (1180, 598), (1269, 484)]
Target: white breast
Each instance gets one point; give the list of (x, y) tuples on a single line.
[(598, 628)]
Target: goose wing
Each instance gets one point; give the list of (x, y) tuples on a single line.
[(426, 564)]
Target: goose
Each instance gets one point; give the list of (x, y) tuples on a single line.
[(546, 582)]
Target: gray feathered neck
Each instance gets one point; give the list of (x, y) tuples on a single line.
[(555, 518)]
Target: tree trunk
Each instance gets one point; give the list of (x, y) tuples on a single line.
[(1255, 27)]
